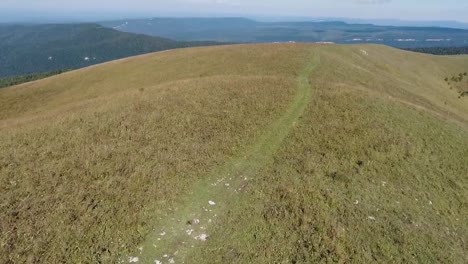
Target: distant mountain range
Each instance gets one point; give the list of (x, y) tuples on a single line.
[(406, 23), (26, 49), (377, 22), (40, 48), (247, 30), (41, 16)]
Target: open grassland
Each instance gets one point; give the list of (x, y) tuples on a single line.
[(354, 187), (95, 162), (90, 161)]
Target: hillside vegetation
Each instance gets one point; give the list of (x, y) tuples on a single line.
[(10, 81), (31, 49), (442, 50), (273, 153)]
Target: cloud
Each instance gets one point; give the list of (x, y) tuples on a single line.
[(227, 2), (213, 2)]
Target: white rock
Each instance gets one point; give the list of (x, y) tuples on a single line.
[(211, 202), (202, 237), (371, 217), (157, 262), (133, 259), (163, 234)]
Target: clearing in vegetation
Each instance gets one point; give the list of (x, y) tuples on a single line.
[(291, 153)]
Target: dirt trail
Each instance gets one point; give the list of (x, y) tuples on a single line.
[(188, 226)]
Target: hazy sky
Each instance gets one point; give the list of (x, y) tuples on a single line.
[(402, 9)]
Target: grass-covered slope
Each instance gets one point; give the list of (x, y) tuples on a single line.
[(250, 154)]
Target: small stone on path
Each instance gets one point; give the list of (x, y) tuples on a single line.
[(133, 259)]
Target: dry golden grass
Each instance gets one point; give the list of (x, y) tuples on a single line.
[(363, 178), (143, 71), (353, 187), (95, 161), (412, 78), (91, 158)]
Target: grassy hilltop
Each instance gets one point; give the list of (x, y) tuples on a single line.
[(274, 153)]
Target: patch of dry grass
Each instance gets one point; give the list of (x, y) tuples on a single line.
[(148, 70)]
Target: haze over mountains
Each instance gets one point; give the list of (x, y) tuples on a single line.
[(30, 15)]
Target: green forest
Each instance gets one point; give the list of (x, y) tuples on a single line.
[(10, 81), (442, 50), (30, 49)]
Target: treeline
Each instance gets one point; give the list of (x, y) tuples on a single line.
[(10, 81), (442, 50)]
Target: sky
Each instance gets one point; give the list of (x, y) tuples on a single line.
[(363, 9)]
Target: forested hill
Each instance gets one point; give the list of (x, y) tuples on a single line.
[(442, 50), (26, 49)]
